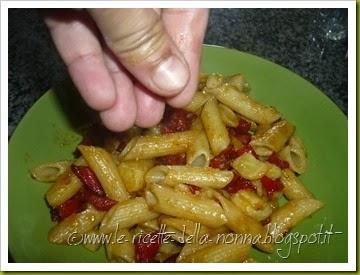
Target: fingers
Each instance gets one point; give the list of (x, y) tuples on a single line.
[(150, 107), (187, 28), (76, 41), (121, 116), (139, 40)]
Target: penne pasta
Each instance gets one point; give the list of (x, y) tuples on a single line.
[(252, 205), (198, 154), (232, 252), (178, 204), (244, 105), (293, 187), (207, 181), (121, 248), (105, 169), (73, 226), (148, 147), (133, 172), (51, 171), (274, 139), (187, 226), (215, 129), (198, 100), (295, 155), (228, 116), (93, 241), (198, 176), (63, 189), (153, 131), (126, 214), (167, 250), (291, 214), (244, 225), (214, 80), (151, 224), (202, 81), (249, 167), (273, 172), (239, 82)]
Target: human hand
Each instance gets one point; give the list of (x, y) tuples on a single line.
[(127, 63)]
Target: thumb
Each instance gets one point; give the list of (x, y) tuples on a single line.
[(140, 41)]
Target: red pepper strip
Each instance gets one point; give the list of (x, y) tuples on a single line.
[(100, 203), (176, 120), (223, 160), (238, 183), (243, 127), (244, 138), (146, 247), (274, 159), (72, 205), (271, 186), (241, 132), (193, 188), (179, 159), (88, 178)]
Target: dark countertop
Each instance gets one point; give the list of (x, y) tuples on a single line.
[(310, 42)]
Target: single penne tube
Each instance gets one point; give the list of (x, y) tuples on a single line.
[(220, 230), (199, 176), (245, 105), (121, 248), (250, 229), (187, 226), (293, 187), (215, 128), (239, 82), (252, 205), (198, 154), (148, 147), (214, 80), (72, 227), (261, 129), (274, 139), (133, 172), (197, 125), (292, 213), (92, 240), (249, 167), (191, 247), (202, 81), (181, 205), (228, 116), (273, 172), (198, 100), (166, 250), (126, 214), (153, 131), (51, 171), (295, 155), (151, 224), (231, 252), (175, 234), (104, 167), (63, 189)]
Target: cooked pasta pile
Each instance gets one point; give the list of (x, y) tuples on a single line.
[(202, 186)]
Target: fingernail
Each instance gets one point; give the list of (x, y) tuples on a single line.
[(171, 76)]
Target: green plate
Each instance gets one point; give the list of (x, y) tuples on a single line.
[(47, 133)]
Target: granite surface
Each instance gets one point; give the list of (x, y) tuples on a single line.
[(310, 42)]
